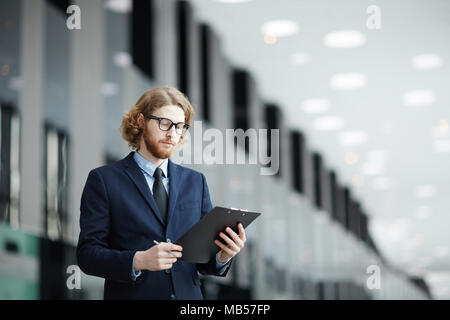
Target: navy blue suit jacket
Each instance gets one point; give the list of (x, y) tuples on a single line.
[(119, 216)]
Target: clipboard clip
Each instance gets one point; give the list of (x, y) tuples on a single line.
[(239, 209)]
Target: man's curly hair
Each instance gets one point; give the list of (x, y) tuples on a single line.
[(150, 101)]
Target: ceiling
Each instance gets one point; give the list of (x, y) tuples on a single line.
[(398, 160)]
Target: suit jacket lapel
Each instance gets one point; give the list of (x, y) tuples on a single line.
[(135, 174), (174, 183)]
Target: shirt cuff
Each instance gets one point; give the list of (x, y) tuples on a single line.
[(134, 274), (220, 264)]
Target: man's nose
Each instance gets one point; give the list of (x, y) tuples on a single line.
[(171, 132)]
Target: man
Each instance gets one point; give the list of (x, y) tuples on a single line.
[(129, 206)]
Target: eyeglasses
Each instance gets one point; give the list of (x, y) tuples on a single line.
[(166, 124)]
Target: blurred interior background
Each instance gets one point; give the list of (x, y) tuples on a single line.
[(358, 90)]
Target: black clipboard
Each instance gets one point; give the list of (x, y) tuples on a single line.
[(198, 242)]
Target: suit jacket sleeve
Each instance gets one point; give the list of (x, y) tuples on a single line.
[(94, 255), (210, 268)]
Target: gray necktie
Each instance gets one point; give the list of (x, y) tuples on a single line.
[(159, 193)]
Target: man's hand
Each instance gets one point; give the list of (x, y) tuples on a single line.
[(158, 257), (233, 245)]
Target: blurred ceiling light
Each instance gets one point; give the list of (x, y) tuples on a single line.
[(119, 6), (299, 58), (350, 138), (328, 123), (382, 183), (372, 169), (418, 98), (426, 61), (441, 130), (280, 28), (423, 212), (376, 156), (269, 39), (109, 89), (350, 80), (442, 146), (344, 39), (396, 231), (419, 238), (351, 158), (122, 59), (425, 190), (315, 105)]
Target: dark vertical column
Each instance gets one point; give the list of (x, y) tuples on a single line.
[(240, 86), (55, 257), (352, 208), (241, 102), (325, 189), (363, 226), (356, 220), (317, 165), (297, 161), (421, 284), (320, 290), (46, 183), (205, 71), (347, 199), (308, 173), (183, 14), (333, 195), (61, 4), (5, 170), (273, 121), (63, 175), (370, 241), (52, 273), (340, 205), (142, 36)]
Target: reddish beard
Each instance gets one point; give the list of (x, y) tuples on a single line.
[(154, 147)]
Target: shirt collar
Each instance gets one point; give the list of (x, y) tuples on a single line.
[(149, 167)]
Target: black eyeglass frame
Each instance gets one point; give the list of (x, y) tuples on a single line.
[(171, 125)]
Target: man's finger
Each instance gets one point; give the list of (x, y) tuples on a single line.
[(176, 247), (225, 248), (166, 266), (242, 232), (176, 254), (235, 237), (170, 246), (230, 242), (171, 260)]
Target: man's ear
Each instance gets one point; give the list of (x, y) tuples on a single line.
[(140, 120)]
